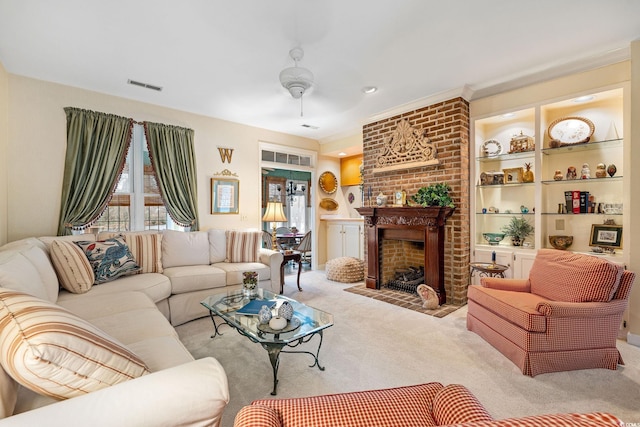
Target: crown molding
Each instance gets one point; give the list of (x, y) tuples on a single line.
[(551, 71)]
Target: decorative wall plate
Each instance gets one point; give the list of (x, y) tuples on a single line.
[(491, 148), (351, 197), (328, 204), (571, 130), (328, 182)]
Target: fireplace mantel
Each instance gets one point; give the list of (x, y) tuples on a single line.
[(418, 224)]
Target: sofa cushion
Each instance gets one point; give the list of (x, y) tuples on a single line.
[(217, 245), (235, 270), (148, 333), (455, 404), (110, 259), (155, 286), (195, 277), (72, 266), (145, 246), (28, 270), (566, 276), (243, 246), (55, 353), (519, 308), (184, 248)]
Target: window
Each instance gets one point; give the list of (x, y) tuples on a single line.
[(136, 203)]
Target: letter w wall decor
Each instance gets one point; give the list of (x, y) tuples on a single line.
[(225, 154)]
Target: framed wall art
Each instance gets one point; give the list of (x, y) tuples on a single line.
[(225, 194), (605, 235)]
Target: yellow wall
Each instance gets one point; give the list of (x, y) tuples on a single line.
[(4, 137), (350, 170), (37, 143)]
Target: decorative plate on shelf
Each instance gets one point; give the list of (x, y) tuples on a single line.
[(328, 182), (328, 204), (571, 130), (491, 148)]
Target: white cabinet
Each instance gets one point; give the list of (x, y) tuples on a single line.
[(345, 238)]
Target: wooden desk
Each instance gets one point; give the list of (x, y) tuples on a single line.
[(295, 256)]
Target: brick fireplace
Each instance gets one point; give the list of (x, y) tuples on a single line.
[(445, 126)]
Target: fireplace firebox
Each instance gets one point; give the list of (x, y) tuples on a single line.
[(417, 224)]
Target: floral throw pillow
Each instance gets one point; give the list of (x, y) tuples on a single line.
[(110, 258)]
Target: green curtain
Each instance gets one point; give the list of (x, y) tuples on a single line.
[(173, 160), (97, 146)]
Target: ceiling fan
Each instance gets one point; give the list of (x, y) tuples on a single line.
[(297, 80)]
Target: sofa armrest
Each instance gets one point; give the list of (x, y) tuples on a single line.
[(515, 285), (581, 309), (274, 260), (192, 394), (593, 419)]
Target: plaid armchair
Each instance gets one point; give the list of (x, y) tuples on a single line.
[(565, 316), (422, 405)]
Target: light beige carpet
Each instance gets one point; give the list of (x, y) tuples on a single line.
[(376, 345)]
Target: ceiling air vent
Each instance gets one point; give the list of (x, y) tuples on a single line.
[(310, 126), (145, 85)]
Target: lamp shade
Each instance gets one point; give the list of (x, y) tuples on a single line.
[(274, 213)]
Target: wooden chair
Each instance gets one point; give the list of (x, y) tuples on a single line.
[(305, 247)]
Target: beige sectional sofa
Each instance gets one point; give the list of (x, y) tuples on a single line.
[(127, 321)]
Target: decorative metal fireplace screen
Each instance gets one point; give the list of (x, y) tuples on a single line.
[(407, 280)]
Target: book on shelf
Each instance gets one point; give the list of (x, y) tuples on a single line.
[(252, 308), (584, 202), (568, 198), (575, 199)]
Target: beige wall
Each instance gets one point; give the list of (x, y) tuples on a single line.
[(37, 142), (633, 244), (4, 140)]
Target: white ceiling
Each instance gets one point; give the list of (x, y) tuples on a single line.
[(222, 58)]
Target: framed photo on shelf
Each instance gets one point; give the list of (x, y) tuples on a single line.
[(224, 195), (605, 235), (513, 175)]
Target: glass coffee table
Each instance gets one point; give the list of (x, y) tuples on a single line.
[(312, 322)]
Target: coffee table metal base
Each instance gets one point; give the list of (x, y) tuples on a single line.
[(274, 349)]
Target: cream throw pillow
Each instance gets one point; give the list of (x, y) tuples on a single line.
[(52, 352), (72, 266), (243, 246)]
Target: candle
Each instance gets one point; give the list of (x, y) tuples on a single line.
[(493, 256)]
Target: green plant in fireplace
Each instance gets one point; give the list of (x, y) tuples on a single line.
[(434, 195)]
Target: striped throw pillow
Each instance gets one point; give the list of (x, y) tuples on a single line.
[(72, 266), (243, 246), (145, 246), (52, 352)]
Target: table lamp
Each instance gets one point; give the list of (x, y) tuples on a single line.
[(273, 214)]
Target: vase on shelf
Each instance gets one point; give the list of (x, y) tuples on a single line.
[(250, 284)]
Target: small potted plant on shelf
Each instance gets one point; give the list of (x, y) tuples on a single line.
[(434, 195), (518, 228)]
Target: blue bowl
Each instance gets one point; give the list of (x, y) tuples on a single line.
[(493, 238)]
